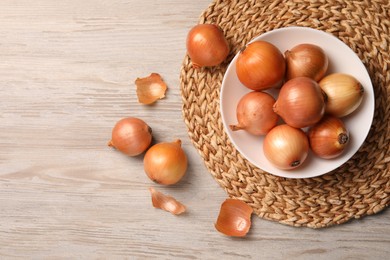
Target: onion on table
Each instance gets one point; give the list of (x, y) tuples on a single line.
[(131, 136), (207, 45), (166, 162)]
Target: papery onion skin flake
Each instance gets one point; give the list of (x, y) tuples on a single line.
[(234, 218), (165, 202), (150, 89)]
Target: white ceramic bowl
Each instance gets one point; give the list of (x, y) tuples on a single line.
[(341, 59)]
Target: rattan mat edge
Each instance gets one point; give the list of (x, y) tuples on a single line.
[(362, 185)]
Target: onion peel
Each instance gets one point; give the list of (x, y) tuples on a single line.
[(165, 202), (234, 218), (150, 89)]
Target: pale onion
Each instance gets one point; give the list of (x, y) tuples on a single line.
[(255, 114), (234, 218), (150, 89), (329, 137), (344, 93), (165, 202), (260, 65), (286, 147), (207, 45), (306, 60), (131, 135), (300, 102), (166, 162)]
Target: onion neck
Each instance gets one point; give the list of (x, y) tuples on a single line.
[(236, 127), (287, 54), (177, 142)]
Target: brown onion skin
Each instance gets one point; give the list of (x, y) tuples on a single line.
[(260, 65), (255, 114), (329, 137), (166, 202), (306, 60), (286, 147), (234, 218), (207, 45), (131, 135), (165, 163), (300, 102)]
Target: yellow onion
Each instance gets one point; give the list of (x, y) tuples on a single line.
[(306, 60), (255, 113), (234, 218), (132, 136), (166, 162), (207, 45), (344, 94), (329, 137), (300, 102), (260, 65), (286, 147)]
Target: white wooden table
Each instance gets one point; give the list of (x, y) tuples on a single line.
[(67, 71)]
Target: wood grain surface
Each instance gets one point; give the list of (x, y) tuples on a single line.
[(67, 71)]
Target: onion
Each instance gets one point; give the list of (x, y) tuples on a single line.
[(255, 114), (344, 94), (165, 163), (286, 147), (329, 137), (234, 218), (207, 45), (306, 60), (132, 136), (260, 65), (300, 102)]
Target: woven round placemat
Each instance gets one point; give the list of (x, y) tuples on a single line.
[(359, 187)]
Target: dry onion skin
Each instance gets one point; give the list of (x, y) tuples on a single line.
[(329, 137), (206, 45), (131, 136), (150, 89), (344, 93), (255, 114), (260, 65), (234, 218), (306, 60), (165, 202), (165, 163)]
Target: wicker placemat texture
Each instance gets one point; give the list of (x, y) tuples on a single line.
[(362, 185)]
